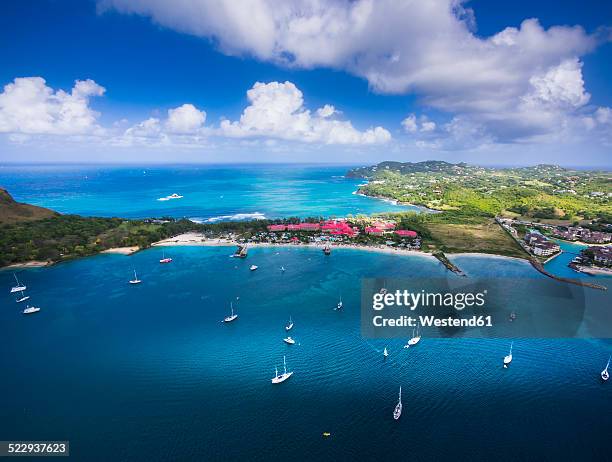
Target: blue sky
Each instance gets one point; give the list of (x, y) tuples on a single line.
[(339, 81)]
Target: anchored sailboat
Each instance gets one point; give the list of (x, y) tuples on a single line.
[(165, 259), (339, 305), (289, 325), (253, 267), (135, 280), (385, 353), (31, 310), (508, 358), (232, 316), (284, 376), (414, 340), (22, 298), (19, 287), (397, 412), (604, 374)]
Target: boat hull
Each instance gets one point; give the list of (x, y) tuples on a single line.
[(281, 378)]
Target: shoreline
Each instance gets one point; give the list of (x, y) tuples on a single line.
[(122, 250), (197, 240), (29, 264), (490, 255)]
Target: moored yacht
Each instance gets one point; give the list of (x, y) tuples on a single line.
[(170, 197), (22, 298), (279, 378), (415, 338), (232, 316), (508, 357), (165, 259), (604, 374), (135, 280), (289, 340), (385, 353), (253, 267), (19, 287), (31, 309), (397, 412), (339, 305)]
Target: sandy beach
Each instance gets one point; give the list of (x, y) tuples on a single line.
[(196, 239), (490, 255), (122, 250), (30, 264)]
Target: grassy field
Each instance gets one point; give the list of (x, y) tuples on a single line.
[(488, 237)]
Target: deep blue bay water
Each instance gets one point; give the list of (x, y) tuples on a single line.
[(149, 373)]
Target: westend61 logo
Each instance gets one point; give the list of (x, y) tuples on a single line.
[(422, 299)]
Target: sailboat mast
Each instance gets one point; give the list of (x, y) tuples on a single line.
[(285, 364)]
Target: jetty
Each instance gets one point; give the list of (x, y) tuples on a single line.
[(446, 262), (537, 264)]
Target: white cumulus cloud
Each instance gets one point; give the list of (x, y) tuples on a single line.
[(29, 106), (426, 48), (185, 119), (277, 110)]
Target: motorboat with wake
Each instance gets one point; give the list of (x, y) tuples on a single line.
[(604, 374), (508, 357)]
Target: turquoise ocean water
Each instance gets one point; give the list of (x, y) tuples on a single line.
[(210, 192), (150, 373)]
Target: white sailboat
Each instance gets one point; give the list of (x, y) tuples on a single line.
[(385, 353), (289, 340), (31, 309), (339, 305), (135, 280), (282, 269), (289, 325), (22, 298), (232, 316), (284, 376), (165, 259), (604, 374), (253, 267), (19, 287), (397, 412), (508, 358), (415, 338)]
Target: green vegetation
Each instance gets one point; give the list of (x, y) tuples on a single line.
[(459, 231), (63, 237), (540, 192)]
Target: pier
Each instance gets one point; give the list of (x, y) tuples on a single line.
[(540, 267)]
